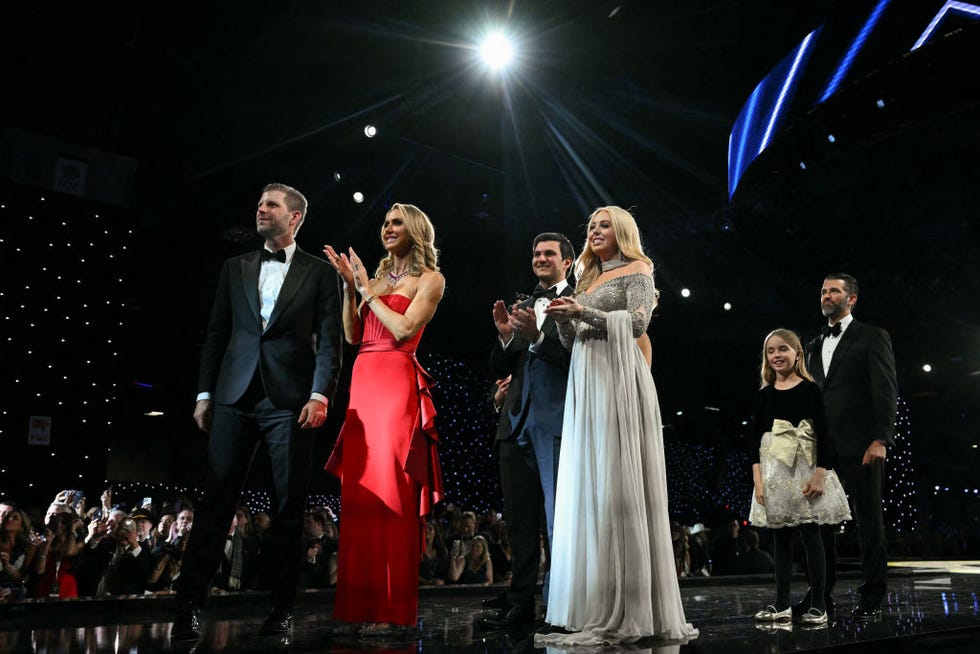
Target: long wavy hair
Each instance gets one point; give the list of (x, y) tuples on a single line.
[(589, 265), (767, 374), (22, 537), (484, 558), (422, 236)]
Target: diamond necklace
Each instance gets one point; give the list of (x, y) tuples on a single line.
[(394, 279)]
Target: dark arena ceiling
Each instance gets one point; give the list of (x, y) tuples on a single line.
[(627, 103)]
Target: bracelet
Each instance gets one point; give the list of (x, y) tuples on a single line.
[(369, 299)]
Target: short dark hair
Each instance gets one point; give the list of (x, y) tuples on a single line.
[(318, 517), (567, 250), (850, 284)]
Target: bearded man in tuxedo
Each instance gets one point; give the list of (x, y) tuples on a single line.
[(853, 363)]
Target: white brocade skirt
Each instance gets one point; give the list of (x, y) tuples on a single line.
[(783, 487)]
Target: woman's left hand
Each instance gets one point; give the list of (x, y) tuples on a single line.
[(814, 487), (564, 309), (360, 275)]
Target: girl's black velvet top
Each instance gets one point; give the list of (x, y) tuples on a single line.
[(793, 405)]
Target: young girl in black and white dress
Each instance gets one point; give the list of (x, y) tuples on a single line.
[(796, 488)]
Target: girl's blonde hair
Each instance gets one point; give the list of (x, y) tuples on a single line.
[(767, 374)]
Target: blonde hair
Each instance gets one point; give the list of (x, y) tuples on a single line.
[(766, 373), (421, 234), (589, 266), (484, 558)]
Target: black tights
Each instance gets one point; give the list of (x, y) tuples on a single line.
[(816, 563)]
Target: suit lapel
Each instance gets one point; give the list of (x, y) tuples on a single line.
[(250, 283), (299, 268)]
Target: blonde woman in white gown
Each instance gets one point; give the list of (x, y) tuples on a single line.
[(612, 571)]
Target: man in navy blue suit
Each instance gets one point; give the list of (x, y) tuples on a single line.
[(268, 367), (529, 431)]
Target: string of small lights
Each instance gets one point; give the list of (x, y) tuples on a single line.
[(900, 481), (63, 318), (693, 495), (466, 433)]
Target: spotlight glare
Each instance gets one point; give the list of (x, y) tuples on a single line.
[(336, 176), (927, 368), (370, 131), (685, 292), (358, 197), (727, 306), (496, 51)]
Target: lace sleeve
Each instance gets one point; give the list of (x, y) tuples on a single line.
[(641, 298), (566, 333)]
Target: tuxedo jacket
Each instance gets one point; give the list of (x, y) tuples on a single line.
[(538, 379), (860, 390), (298, 353)]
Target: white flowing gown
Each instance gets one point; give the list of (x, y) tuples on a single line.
[(612, 571)]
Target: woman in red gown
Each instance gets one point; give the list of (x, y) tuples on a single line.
[(386, 455)]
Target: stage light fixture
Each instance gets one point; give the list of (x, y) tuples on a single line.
[(336, 176), (727, 306), (685, 292), (370, 131), (831, 138), (880, 104), (802, 165), (927, 368), (358, 197), (497, 51)]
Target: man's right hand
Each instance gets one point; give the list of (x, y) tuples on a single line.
[(501, 320), (202, 415)]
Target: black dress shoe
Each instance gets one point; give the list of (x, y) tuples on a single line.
[(496, 602), (510, 618), (866, 611), (280, 621), (187, 622)]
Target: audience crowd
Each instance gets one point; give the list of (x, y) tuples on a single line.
[(107, 550)]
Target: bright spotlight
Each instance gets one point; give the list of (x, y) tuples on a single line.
[(727, 306), (336, 176), (496, 51), (685, 292), (358, 197), (370, 131), (927, 368)]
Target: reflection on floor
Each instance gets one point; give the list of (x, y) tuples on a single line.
[(924, 612)]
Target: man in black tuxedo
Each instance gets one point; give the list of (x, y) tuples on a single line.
[(529, 430), (854, 364), (268, 366)]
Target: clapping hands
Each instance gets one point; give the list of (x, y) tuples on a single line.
[(349, 267)]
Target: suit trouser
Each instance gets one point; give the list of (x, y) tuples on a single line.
[(864, 486), (527, 477), (236, 433)]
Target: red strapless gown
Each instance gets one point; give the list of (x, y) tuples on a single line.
[(389, 474)]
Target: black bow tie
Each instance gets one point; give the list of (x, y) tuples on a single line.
[(549, 293), (279, 255), (831, 331)]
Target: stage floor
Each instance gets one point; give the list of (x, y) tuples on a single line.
[(927, 610)]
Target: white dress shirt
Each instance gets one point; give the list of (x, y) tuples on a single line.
[(830, 343), (539, 306)]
